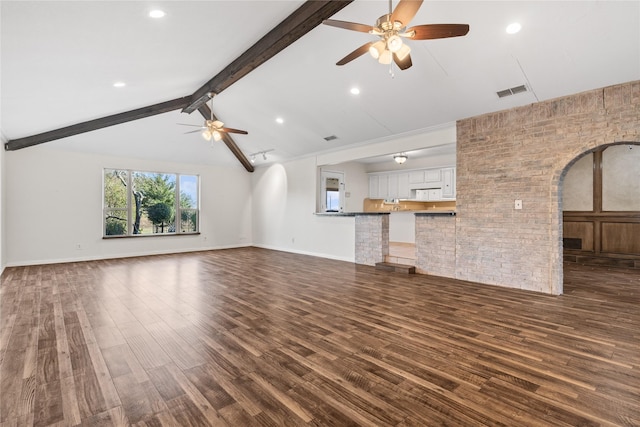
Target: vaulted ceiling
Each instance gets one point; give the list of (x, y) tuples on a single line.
[(59, 61)]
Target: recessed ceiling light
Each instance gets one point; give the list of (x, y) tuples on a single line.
[(355, 91), (157, 13), (279, 120), (119, 84), (513, 28)]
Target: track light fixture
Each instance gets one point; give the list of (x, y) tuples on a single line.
[(252, 156)]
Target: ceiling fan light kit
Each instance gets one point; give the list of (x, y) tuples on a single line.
[(214, 128), (391, 29)]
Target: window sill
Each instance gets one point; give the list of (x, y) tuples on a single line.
[(137, 236)]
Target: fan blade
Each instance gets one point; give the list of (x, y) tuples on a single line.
[(405, 11), (185, 124), (348, 25), (193, 131), (356, 53), (403, 64), (438, 31), (231, 130)]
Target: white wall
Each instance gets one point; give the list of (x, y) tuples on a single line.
[(577, 191), (2, 206), (284, 203), (429, 138), (53, 203)]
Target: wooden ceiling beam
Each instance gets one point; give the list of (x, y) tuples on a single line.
[(229, 142), (88, 126), (300, 22)]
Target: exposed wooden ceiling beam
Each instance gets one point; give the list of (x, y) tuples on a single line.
[(304, 19), (115, 119), (207, 114)]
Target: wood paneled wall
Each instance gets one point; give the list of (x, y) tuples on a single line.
[(598, 236)]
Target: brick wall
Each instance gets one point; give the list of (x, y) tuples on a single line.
[(522, 154), (372, 238), (436, 245)]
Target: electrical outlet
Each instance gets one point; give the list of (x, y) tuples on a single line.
[(518, 204)]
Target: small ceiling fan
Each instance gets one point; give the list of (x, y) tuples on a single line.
[(391, 29), (213, 128)]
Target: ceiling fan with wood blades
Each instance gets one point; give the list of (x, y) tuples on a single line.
[(391, 29), (213, 128)]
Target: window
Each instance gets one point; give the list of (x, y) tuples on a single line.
[(149, 203)]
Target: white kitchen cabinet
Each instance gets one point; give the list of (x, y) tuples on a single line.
[(435, 194), (378, 186), (392, 180), (425, 178), (373, 186), (432, 176), (403, 186), (431, 195), (416, 177), (383, 187), (449, 183)]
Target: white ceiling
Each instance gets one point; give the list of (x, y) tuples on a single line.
[(59, 60)]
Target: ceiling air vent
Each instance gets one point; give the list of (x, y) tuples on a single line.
[(512, 91), (330, 138)]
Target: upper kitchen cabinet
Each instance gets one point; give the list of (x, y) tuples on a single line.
[(448, 183), (404, 185), (374, 192), (389, 186), (425, 178)]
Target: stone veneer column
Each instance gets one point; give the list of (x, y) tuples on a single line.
[(372, 237), (436, 244)]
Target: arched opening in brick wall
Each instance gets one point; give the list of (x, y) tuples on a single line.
[(599, 207)]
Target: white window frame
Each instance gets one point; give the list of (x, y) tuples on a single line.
[(129, 208)]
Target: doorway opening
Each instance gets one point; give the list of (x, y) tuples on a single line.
[(600, 207), (331, 191)]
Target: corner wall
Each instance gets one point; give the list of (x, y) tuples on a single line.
[(523, 154), (284, 204), (2, 206), (53, 208)]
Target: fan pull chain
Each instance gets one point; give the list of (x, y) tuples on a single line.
[(391, 73)]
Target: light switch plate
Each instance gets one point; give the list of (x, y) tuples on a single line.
[(518, 204)]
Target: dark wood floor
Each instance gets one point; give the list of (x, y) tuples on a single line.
[(249, 337)]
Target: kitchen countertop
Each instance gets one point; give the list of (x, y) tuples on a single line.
[(435, 212), (425, 212), (350, 213)]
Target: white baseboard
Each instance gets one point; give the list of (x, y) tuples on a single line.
[(127, 255), (321, 255)]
